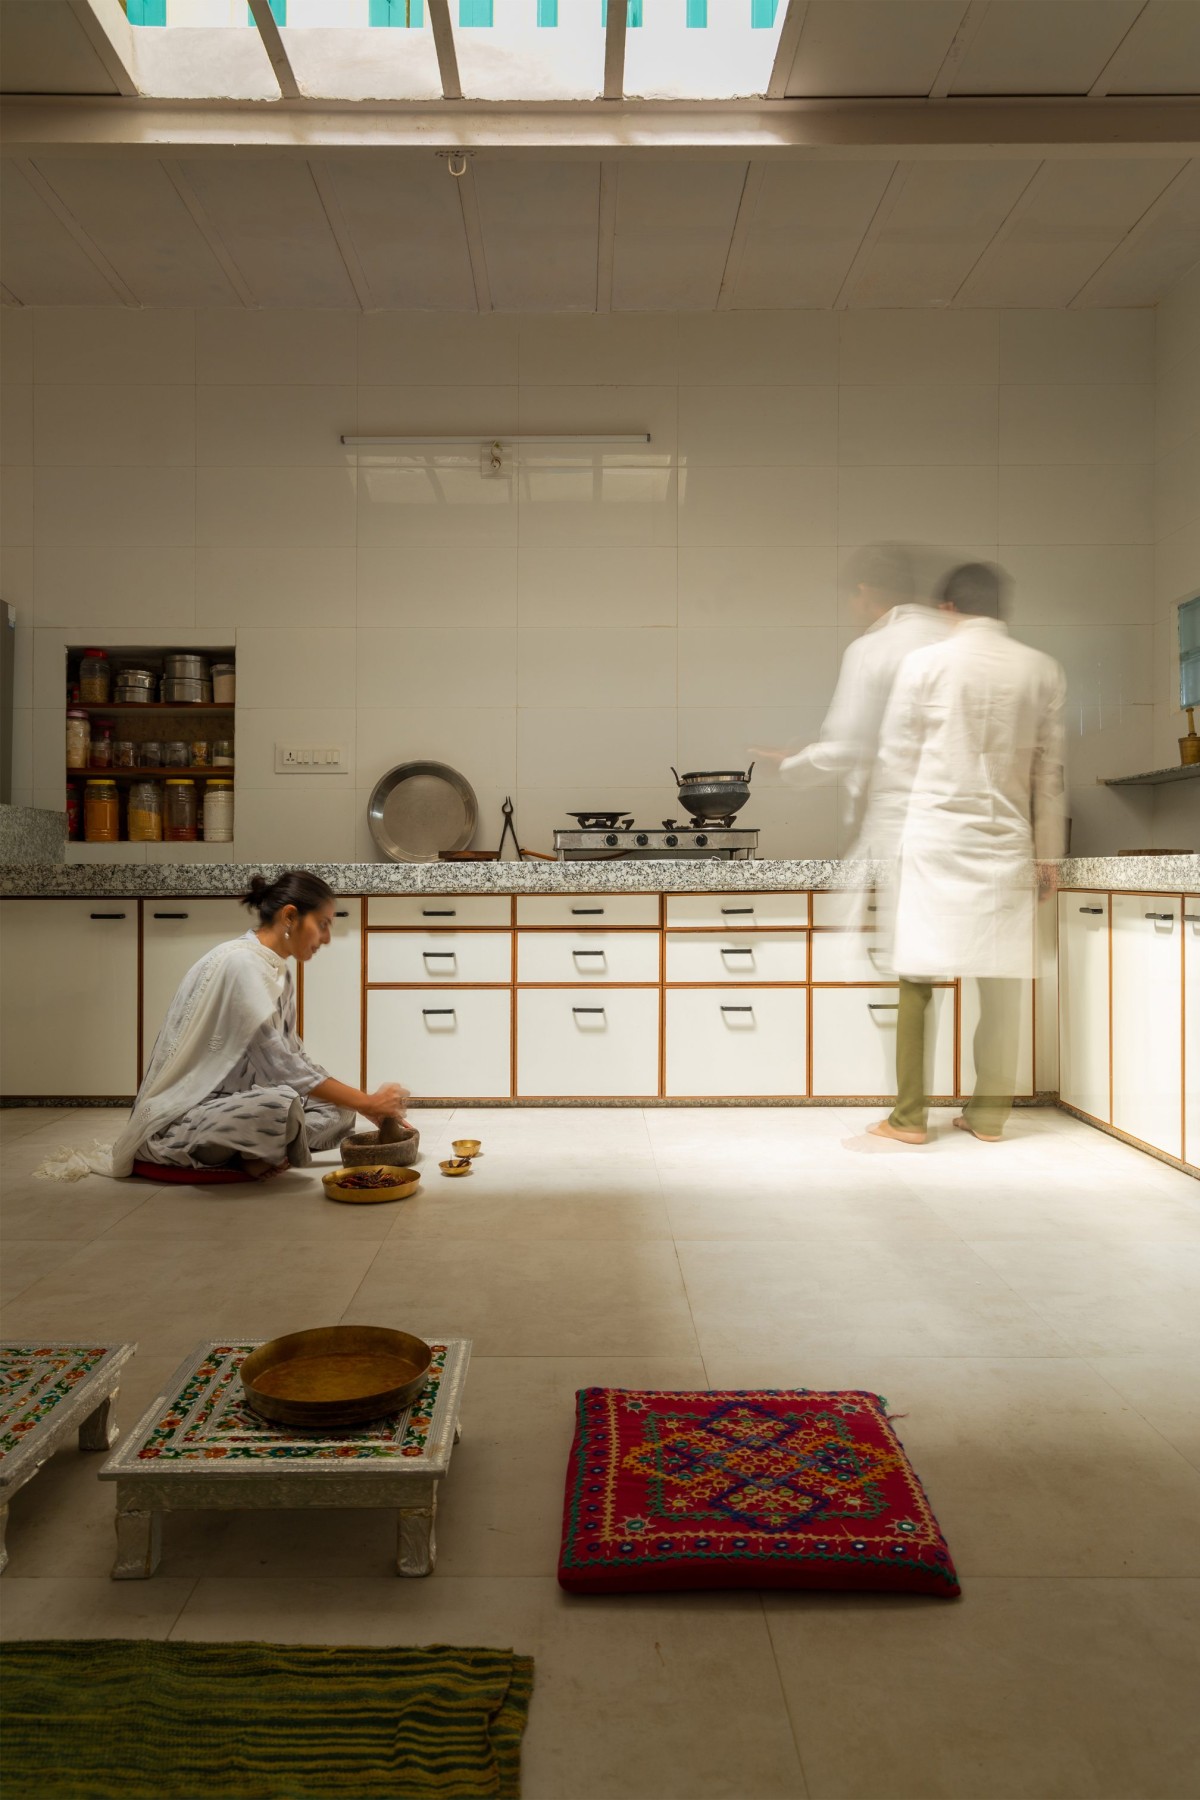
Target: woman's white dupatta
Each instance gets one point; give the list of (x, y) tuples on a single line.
[(220, 1004)]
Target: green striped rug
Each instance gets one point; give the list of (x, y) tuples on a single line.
[(114, 1719)]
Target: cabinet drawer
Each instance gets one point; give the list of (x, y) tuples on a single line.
[(740, 1042), (68, 1018), (848, 956), (587, 1044), (736, 912), (624, 956), (854, 1041), (176, 934), (429, 910), (439, 956), (585, 910), (737, 956), (453, 1046), (843, 909), (331, 994), (1147, 1019), (1083, 970)]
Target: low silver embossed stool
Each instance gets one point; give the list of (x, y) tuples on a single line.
[(49, 1391), (200, 1448)]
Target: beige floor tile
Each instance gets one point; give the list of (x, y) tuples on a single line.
[(17, 1121), (26, 1262), (530, 1297), (934, 1297), (287, 1208), (566, 1198), (82, 1607), (745, 1203), (1165, 1390), (1034, 1468), (1119, 1298), (65, 1212), (619, 1688), (1021, 1690), (1057, 1209)]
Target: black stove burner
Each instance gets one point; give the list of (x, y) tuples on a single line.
[(602, 821), (701, 824)]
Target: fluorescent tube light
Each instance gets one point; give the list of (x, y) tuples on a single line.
[(524, 437)]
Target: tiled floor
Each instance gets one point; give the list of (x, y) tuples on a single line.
[(1030, 1309)]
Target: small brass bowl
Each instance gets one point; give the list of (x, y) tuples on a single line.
[(456, 1165), (467, 1146)]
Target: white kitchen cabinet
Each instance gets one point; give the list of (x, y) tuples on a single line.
[(581, 911), (175, 935), (736, 911), (332, 997), (848, 956), (572, 1042), (425, 912), (737, 956), (739, 1042), (1191, 1028), (455, 1044), (440, 957), (1083, 1003), (1147, 1019), (969, 1019), (854, 1041), (566, 956), (845, 909), (68, 1018)]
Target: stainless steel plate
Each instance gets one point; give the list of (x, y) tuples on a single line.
[(419, 809)]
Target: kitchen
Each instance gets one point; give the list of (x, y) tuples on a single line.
[(505, 459)]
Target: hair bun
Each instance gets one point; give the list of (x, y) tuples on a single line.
[(259, 885)]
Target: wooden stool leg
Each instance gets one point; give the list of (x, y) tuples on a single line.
[(99, 1430), (3, 1530), (139, 1545), (416, 1543)]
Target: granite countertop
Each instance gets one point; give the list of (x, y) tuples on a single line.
[(84, 881)]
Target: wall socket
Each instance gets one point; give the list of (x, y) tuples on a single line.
[(311, 759)]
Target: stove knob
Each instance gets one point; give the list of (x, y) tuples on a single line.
[(611, 840), (701, 839), (641, 840), (671, 840)]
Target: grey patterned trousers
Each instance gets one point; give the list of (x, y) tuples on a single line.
[(265, 1124)]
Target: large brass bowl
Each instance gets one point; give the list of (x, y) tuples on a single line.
[(405, 1182), (336, 1375)]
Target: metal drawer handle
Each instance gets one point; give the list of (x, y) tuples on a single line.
[(1166, 918), (162, 915), (342, 915), (581, 911), (883, 1006), (110, 915), (737, 1009), (600, 953), (432, 1012), (433, 912), (1099, 910), (1191, 918), (587, 1009), (737, 909), (737, 950), (440, 955)]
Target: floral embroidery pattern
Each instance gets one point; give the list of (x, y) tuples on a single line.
[(35, 1378)]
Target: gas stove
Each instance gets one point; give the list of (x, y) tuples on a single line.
[(610, 836)]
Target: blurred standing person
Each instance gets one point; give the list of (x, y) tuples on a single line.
[(974, 736)]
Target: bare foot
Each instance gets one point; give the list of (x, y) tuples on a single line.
[(263, 1171), (960, 1124), (885, 1129)]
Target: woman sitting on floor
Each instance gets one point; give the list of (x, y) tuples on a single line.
[(230, 1085)]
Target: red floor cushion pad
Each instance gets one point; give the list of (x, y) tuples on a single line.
[(165, 1172), (767, 1489)]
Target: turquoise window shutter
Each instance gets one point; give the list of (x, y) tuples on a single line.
[(762, 14), (547, 13), (147, 12), (697, 14), (403, 13), (475, 12), (278, 12)]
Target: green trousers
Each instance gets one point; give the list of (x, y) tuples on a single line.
[(995, 1056)]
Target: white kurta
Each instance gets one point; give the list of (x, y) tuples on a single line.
[(849, 737), (973, 735)]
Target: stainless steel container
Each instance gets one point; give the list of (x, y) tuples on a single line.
[(185, 668), (134, 687), (177, 691)]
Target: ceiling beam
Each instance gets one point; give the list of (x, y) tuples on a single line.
[(888, 201), (269, 32), (1005, 229), (1136, 232), (327, 194), (783, 130), (66, 218), (736, 254), (964, 36), (1099, 87), (177, 176), (786, 48), (473, 226), (443, 43), (614, 49), (111, 36), (606, 235)]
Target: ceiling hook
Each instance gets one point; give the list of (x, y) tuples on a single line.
[(456, 161)]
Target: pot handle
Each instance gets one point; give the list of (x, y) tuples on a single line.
[(749, 771), (675, 772)]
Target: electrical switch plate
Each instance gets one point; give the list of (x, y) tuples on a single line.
[(311, 759)]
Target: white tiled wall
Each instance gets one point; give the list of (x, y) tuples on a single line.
[(1177, 542), (568, 630)]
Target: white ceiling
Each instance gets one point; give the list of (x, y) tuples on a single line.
[(635, 223)]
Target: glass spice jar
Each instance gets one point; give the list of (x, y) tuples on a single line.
[(150, 753), (79, 738), (145, 812), (179, 811), (101, 813), (124, 754), (175, 754), (222, 753), (218, 812), (101, 755), (199, 754), (95, 678), (74, 815)]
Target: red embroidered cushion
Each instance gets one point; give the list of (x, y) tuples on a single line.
[(770, 1489), (165, 1172)]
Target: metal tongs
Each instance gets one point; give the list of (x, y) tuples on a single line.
[(510, 830)]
